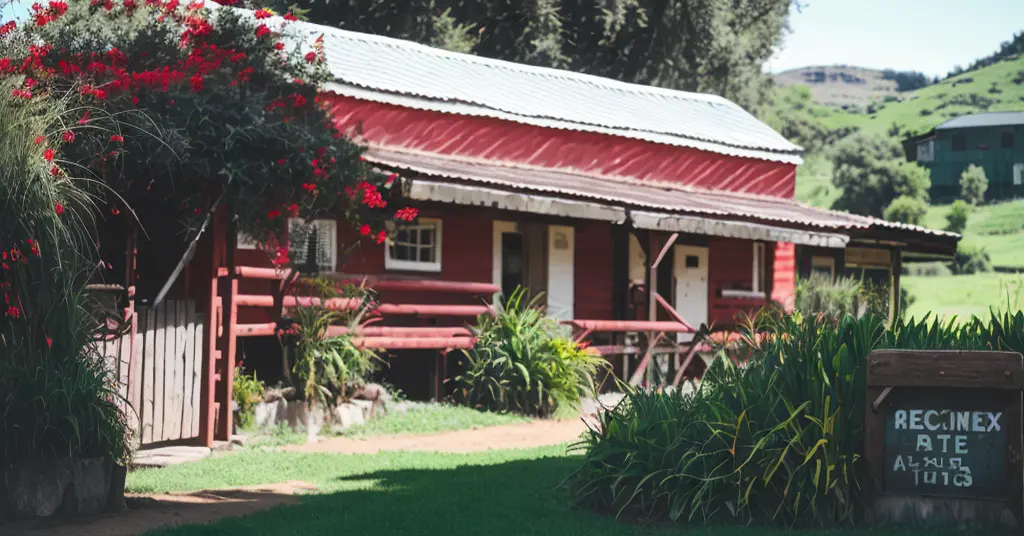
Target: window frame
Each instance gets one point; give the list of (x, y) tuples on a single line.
[(758, 273), (330, 267), (244, 241), (926, 151), (824, 261), (391, 263), (1018, 173)]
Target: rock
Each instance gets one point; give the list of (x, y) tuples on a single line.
[(238, 439), (36, 489), (115, 497), (268, 414), (89, 489)]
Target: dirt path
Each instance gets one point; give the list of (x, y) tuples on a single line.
[(154, 511), (513, 436)]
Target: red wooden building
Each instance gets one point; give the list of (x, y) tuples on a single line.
[(634, 209)]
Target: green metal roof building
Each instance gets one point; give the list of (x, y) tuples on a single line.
[(994, 141)]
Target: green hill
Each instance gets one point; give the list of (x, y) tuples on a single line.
[(996, 88)]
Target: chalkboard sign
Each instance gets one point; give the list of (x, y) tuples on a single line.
[(943, 436), (953, 445)]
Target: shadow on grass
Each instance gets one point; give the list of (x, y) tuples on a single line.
[(514, 498)]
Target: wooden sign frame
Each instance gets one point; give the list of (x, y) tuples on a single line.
[(999, 374)]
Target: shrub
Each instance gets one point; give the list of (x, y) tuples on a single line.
[(956, 219), (322, 367), (870, 172), (973, 184), (927, 269), (906, 209), (820, 293), (248, 391), (522, 364), (777, 441), (970, 259)]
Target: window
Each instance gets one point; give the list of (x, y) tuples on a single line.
[(244, 241), (415, 247), (317, 240), (757, 283), (926, 151), (1018, 174), (1006, 140), (959, 142), (823, 265)]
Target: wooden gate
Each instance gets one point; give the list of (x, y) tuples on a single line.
[(168, 355)]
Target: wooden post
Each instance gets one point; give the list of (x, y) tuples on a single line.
[(895, 267), (208, 386), (652, 300), (225, 421)]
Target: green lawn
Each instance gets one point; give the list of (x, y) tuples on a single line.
[(431, 419), (495, 493), (964, 295), (998, 227)]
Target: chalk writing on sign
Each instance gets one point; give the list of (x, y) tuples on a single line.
[(944, 451)]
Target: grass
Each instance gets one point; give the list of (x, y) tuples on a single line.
[(963, 295), (431, 419), (497, 493), (998, 227)]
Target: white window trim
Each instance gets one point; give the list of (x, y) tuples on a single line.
[(244, 241), (417, 266), (1018, 174), (332, 264), (756, 273), (822, 261)]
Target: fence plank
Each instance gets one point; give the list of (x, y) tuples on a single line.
[(159, 370), (135, 375), (148, 349), (174, 418), (168, 312), (188, 379), (198, 343)]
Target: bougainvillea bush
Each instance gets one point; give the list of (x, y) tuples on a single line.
[(193, 107)]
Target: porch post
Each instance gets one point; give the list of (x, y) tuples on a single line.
[(225, 421), (895, 267), (208, 383), (652, 298)]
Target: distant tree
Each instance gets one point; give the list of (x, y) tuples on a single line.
[(711, 46), (956, 219), (906, 80), (793, 113), (1007, 50), (871, 172), (973, 184), (906, 209)]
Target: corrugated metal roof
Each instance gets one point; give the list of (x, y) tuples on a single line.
[(631, 193), (461, 83), (990, 119)]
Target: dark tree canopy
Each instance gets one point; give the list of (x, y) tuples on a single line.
[(710, 46)]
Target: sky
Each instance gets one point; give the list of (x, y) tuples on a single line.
[(931, 36)]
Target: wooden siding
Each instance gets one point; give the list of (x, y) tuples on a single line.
[(732, 262), (594, 271)]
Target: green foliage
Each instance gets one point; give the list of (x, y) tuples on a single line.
[(793, 114), (59, 396), (323, 366), (956, 218), (871, 173), (906, 209), (522, 364), (970, 259), (248, 391), (715, 46), (777, 441), (1007, 50), (973, 184), (820, 293)]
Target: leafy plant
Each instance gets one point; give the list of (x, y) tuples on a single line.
[(906, 209), (522, 364), (776, 441), (973, 184), (322, 366), (248, 391), (956, 219), (970, 259)]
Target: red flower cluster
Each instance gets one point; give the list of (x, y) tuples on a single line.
[(370, 196), (117, 138), (407, 214), (262, 30), (44, 15), (58, 208), (8, 28), (49, 154), (68, 136), (263, 14)]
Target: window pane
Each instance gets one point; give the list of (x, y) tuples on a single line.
[(402, 236), (427, 254), (427, 237), (402, 253)]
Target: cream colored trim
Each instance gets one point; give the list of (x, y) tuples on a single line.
[(735, 229), (460, 194)]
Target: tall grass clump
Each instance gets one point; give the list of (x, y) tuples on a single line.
[(778, 440), (60, 398), (522, 363)]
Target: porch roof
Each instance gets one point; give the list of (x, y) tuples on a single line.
[(649, 204)]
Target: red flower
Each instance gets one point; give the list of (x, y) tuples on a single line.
[(309, 187), (117, 138), (364, 230), (262, 30), (311, 57), (279, 45), (39, 139), (289, 16), (391, 179), (197, 83), (84, 119), (299, 101), (54, 171), (407, 214), (49, 154), (68, 137), (13, 312), (49, 342), (263, 14), (59, 208), (381, 237), (293, 210), (274, 214), (8, 28)]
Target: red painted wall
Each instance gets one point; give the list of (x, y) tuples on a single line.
[(784, 271), (601, 154), (593, 266)]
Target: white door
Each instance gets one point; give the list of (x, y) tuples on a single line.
[(561, 272), (691, 278)]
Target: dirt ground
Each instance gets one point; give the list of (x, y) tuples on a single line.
[(146, 512), (513, 436)]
